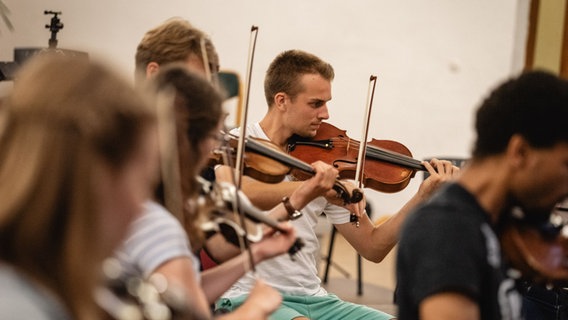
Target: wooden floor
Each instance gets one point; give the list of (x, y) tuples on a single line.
[(378, 279)]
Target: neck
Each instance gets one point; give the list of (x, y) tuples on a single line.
[(488, 180), (275, 129)]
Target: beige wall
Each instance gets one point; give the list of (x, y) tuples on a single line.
[(549, 35), (435, 60)]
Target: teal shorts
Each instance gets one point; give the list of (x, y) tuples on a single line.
[(328, 307)]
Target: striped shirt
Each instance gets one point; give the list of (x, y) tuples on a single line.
[(153, 239)]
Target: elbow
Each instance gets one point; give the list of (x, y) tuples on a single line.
[(378, 253), (376, 258)]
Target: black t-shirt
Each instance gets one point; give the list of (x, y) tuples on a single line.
[(448, 245)]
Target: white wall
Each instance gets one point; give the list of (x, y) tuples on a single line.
[(435, 60)]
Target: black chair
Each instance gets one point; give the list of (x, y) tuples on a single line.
[(230, 82)]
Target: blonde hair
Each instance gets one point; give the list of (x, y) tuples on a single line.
[(174, 41), (65, 120)]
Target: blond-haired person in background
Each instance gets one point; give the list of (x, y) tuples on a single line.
[(78, 156)]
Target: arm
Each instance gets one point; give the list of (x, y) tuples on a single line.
[(268, 196), (217, 280), (264, 195), (385, 236), (302, 193), (446, 306), (262, 301), (179, 274), (214, 282)]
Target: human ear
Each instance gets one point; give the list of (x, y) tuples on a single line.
[(280, 99), (151, 69), (518, 150)]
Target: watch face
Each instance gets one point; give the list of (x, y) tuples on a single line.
[(295, 215)]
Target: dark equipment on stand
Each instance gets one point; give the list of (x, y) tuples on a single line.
[(54, 27), (8, 69)]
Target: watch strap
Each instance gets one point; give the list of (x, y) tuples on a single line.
[(293, 213)]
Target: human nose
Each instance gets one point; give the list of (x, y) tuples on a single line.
[(324, 113)]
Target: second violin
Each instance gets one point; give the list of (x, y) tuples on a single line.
[(539, 253)]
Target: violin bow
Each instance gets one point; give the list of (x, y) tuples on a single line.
[(243, 240), (239, 165), (364, 136), (167, 137), (205, 58)]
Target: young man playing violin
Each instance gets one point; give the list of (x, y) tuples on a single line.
[(453, 269), (297, 89)]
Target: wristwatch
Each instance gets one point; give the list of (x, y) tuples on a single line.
[(293, 213)]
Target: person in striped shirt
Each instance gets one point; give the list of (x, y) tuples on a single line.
[(159, 243)]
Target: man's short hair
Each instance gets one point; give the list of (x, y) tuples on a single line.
[(533, 105), (283, 74)]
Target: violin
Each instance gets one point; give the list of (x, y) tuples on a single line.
[(257, 165), (388, 165), (539, 252), (264, 161), (220, 201), (123, 297)]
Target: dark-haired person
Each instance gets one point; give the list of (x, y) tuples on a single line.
[(449, 263)]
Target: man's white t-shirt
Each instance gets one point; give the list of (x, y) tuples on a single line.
[(298, 276)]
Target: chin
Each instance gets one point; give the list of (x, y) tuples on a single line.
[(310, 134)]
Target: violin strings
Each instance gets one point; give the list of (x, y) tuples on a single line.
[(385, 154), (381, 153)]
